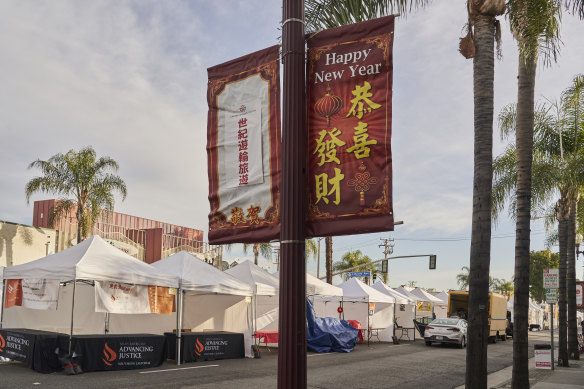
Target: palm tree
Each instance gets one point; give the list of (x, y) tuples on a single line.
[(258, 248), (479, 45), (557, 163), (84, 182), (462, 278), (329, 259), (352, 259)]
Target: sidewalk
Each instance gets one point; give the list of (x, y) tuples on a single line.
[(561, 378)]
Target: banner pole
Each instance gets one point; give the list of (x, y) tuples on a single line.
[(72, 311), (552, 333), (292, 316), (3, 297), (179, 317)]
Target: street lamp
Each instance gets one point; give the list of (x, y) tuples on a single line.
[(578, 242)]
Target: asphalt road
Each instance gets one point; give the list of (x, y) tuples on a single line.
[(380, 365)]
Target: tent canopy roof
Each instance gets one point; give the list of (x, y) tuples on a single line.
[(201, 278), (399, 298), (96, 260), (429, 297), (265, 284), (355, 290), (317, 287), (442, 296)]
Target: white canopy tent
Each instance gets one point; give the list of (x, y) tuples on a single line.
[(356, 301), (438, 307), (442, 296), (404, 308), (265, 291), (208, 299), (76, 268), (316, 287)]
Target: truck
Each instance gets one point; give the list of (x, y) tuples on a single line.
[(458, 307)]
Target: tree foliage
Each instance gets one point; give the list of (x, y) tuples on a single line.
[(540, 260), (84, 182), (352, 259)]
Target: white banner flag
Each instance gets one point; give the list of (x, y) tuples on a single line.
[(40, 293), (115, 297)]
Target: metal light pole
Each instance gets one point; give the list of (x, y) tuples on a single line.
[(292, 320)]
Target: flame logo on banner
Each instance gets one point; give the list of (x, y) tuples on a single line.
[(199, 348), (109, 354), (2, 343)]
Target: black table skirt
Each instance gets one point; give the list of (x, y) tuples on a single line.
[(206, 346), (35, 348), (119, 352)]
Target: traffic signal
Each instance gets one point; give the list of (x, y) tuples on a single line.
[(374, 276), (432, 262), (384, 266)]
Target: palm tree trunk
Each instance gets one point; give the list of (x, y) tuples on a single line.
[(563, 226), (329, 259), (524, 145), (573, 351), (79, 216), (256, 253), (480, 250)]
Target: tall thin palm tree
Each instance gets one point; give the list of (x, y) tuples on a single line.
[(557, 169), (480, 44), (85, 183), (258, 248)]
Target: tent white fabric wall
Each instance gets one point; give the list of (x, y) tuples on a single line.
[(405, 308), (266, 298), (212, 299), (356, 298)]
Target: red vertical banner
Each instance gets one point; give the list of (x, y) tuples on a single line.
[(349, 83), (244, 149)]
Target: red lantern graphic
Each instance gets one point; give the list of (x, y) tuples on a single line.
[(328, 106)]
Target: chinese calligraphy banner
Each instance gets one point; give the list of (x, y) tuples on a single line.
[(349, 77), (244, 149), (32, 293)]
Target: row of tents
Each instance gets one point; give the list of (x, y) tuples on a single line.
[(242, 299)]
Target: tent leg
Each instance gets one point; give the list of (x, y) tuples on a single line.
[(3, 297), (72, 310), (106, 323), (179, 314)]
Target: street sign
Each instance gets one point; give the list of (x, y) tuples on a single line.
[(360, 274), (551, 278), (551, 296)]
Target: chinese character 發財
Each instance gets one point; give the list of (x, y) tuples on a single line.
[(362, 94), (252, 214), (327, 150), (236, 215), (322, 186), (361, 147)]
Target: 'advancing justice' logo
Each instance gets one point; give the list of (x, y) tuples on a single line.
[(199, 348), (2, 343), (109, 354)]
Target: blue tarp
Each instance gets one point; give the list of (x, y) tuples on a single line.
[(326, 334)]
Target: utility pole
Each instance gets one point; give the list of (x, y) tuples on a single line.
[(387, 245)]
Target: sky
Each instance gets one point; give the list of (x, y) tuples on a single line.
[(129, 78)]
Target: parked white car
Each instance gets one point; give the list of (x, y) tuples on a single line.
[(446, 330)]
